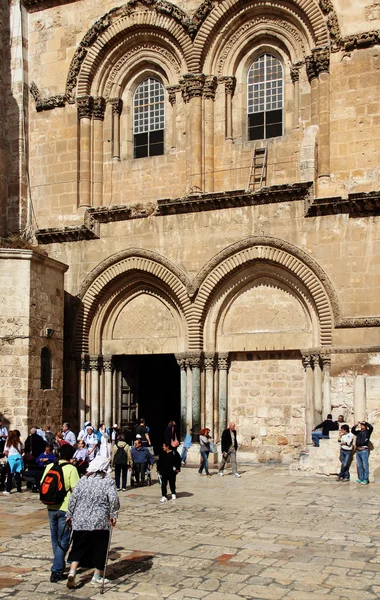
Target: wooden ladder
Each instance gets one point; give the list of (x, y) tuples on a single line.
[(258, 170)]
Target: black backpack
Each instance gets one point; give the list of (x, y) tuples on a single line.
[(120, 456), (52, 486)]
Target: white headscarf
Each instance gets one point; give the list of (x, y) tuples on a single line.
[(99, 464)]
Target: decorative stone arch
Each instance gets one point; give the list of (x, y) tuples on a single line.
[(313, 281), (302, 15), (117, 279)]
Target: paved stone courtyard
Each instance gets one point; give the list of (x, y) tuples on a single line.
[(268, 535)]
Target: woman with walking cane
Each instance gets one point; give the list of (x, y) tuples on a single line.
[(92, 513)]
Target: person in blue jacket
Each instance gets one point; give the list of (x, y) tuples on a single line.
[(141, 459), (187, 443)]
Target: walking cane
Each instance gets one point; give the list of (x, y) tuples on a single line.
[(105, 564)]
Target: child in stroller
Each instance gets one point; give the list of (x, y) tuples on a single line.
[(143, 460)]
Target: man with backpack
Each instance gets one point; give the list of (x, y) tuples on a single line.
[(57, 483), (121, 460)]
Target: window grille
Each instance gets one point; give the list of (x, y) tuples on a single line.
[(45, 369), (265, 88), (148, 119)]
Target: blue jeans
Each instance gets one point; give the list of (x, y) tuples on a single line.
[(318, 435), (57, 520), (362, 463), (204, 462), (345, 457), (184, 454)]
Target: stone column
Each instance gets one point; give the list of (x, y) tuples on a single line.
[(229, 88), (295, 75), (98, 118), (322, 64), (209, 90), (107, 368), (192, 88), (189, 393), (83, 367), (85, 105), (117, 107), (209, 366), (195, 361), (309, 404), (94, 370), (223, 366), (172, 91), (116, 397), (360, 408), (317, 388), (181, 361), (326, 402)]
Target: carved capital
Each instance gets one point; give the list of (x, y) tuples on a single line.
[(82, 363), (181, 360), (85, 106), (316, 360), (94, 363), (172, 92), (326, 360), (209, 89), (295, 73), (322, 60), (307, 361), (209, 362), (194, 361), (229, 84), (223, 361), (99, 108), (310, 68), (192, 86), (117, 105), (107, 363)]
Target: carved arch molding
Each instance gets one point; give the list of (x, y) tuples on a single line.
[(192, 32), (193, 299)]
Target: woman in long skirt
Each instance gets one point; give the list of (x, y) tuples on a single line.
[(93, 510)]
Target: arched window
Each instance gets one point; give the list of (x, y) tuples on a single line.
[(148, 119), (265, 98), (45, 369)]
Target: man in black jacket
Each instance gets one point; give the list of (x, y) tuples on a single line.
[(362, 450), (326, 426), (229, 448)]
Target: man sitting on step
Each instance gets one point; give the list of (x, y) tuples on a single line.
[(324, 430)]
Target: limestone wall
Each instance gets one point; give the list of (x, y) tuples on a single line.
[(267, 402), (32, 301)]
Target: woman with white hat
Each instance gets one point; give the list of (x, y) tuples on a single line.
[(93, 510), (92, 442)]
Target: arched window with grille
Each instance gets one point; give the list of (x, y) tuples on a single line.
[(148, 119), (45, 369), (265, 88)]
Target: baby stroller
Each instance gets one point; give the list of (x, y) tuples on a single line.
[(148, 476)]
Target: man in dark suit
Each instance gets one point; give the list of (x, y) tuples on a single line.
[(229, 448)]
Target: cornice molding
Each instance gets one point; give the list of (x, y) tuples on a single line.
[(361, 204), (47, 102), (76, 233)]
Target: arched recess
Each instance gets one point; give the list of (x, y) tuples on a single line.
[(232, 22), (297, 270), (116, 282)]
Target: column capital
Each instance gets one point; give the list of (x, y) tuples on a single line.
[(209, 88), (107, 363), (83, 362), (181, 360), (316, 359), (172, 91), (223, 361), (85, 106), (229, 84), (99, 108), (94, 363), (317, 62), (192, 85), (307, 361), (295, 73), (326, 360), (117, 105), (209, 361), (194, 360)]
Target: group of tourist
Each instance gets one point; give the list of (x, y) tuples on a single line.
[(361, 431)]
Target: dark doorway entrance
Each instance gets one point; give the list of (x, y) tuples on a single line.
[(151, 386)]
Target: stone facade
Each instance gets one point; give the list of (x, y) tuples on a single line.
[(32, 292), (267, 294)]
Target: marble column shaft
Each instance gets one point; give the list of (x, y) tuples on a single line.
[(223, 366), (196, 363), (309, 400), (209, 365), (108, 403), (98, 117), (317, 389), (181, 361), (85, 105), (326, 401), (360, 408), (94, 369), (83, 367)]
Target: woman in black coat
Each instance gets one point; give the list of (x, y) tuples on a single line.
[(168, 465)]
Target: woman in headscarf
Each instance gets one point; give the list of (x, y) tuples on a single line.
[(93, 510), (92, 442), (105, 445)]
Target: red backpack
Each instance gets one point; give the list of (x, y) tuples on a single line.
[(52, 486)]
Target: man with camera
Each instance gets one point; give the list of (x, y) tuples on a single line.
[(229, 449)]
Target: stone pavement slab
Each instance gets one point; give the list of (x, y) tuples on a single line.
[(267, 536)]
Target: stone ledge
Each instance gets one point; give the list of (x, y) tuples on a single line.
[(75, 233), (30, 255), (122, 212), (362, 204)]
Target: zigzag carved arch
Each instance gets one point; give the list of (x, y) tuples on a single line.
[(104, 282), (272, 251)]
